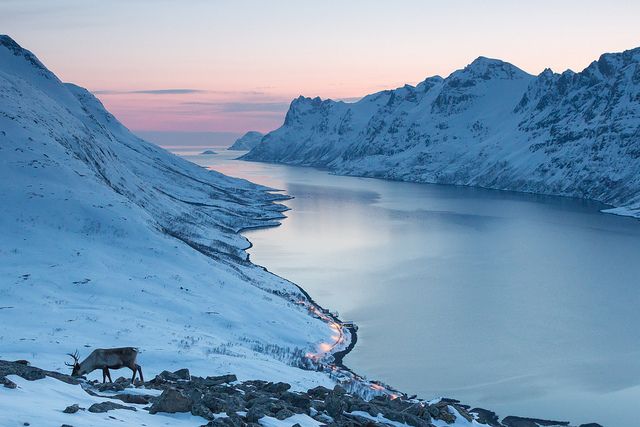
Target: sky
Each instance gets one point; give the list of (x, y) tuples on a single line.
[(234, 66)]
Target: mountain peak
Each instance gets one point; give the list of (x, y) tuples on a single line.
[(14, 48), (488, 68)]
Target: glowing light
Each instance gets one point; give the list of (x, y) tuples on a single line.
[(325, 347)]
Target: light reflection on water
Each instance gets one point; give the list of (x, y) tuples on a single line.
[(523, 304)]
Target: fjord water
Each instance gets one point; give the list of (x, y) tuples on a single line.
[(527, 305)]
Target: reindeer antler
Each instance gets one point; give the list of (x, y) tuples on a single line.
[(75, 358)]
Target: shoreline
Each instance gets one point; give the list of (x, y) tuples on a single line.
[(372, 389), (607, 209)]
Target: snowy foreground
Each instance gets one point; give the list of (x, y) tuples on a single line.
[(31, 396), (490, 125)]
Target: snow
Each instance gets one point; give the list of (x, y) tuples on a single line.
[(108, 241), (247, 141), (489, 125), (50, 397), (302, 419)]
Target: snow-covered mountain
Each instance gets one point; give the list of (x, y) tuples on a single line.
[(247, 141), (490, 125), (107, 240)]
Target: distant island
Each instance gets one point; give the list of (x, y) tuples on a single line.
[(247, 141), (208, 152)]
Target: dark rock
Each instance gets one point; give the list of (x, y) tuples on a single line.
[(334, 403), (233, 421), (434, 411), (318, 392), (590, 425), (486, 417), (284, 414), (171, 377), (463, 411), (339, 390), (182, 374), (171, 401), (512, 421), (111, 386), (72, 409), (214, 403), (30, 373), (222, 379), (200, 410), (66, 425), (7, 383), (403, 417), (142, 399), (297, 400), (108, 406), (276, 387), (443, 414), (255, 413)]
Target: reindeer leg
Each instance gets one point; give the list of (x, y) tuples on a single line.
[(104, 375), (140, 372), (108, 374), (133, 378)]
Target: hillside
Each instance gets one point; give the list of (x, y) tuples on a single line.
[(490, 125), (109, 241), (247, 141)]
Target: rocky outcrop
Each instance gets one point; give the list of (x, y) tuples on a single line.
[(225, 402)]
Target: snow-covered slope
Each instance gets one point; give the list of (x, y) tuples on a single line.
[(107, 240), (490, 125), (247, 141)]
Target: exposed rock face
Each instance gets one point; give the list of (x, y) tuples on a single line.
[(490, 125)]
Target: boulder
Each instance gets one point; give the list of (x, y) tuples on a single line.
[(334, 404), (7, 382), (484, 416), (297, 400), (102, 407), (171, 401), (283, 414), (141, 399), (318, 392), (276, 387), (255, 413), (72, 409), (221, 379)]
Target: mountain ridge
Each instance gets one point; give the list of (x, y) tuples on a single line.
[(490, 125)]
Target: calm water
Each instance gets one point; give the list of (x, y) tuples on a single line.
[(523, 304)]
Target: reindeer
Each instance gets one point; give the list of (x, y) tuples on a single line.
[(105, 359)]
